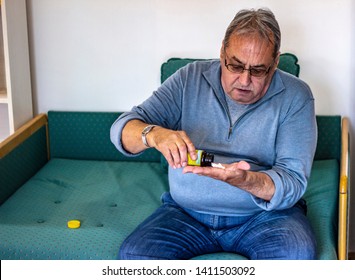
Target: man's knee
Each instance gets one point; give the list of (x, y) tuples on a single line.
[(305, 249), (300, 246), (123, 251)]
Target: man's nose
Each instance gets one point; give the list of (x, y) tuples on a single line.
[(245, 77)]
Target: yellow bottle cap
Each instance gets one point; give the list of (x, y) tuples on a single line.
[(73, 224)]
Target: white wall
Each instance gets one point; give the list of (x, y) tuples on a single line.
[(106, 55)]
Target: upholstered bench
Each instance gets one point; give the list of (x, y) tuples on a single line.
[(85, 178)]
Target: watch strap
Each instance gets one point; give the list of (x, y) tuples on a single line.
[(145, 131)]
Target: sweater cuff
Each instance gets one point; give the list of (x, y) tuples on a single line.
[(276, 200)]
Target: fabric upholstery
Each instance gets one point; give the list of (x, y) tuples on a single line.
[(22, 163), (109, 198), (322, 203), (329, 137), (86, 135)]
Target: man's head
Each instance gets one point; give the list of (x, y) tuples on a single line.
[(249, 55)]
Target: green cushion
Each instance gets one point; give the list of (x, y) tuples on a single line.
[(86, 135), (109, 198), (288, 63), (322, 202)]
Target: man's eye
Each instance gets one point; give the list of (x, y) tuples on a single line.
[(237, 68), (257, 71)]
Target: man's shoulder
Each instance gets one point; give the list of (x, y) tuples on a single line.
[(287, 77), (291, 82), (202, 64), (292, 86)]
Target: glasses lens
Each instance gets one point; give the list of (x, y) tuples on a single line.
[(238, 69), (257, 72), (235, 68)]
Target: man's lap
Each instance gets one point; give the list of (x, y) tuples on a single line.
[(172, 233)]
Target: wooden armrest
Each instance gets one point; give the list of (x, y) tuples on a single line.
[(22, 134), (343, 192)]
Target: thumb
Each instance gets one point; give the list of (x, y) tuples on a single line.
[(243, 165)]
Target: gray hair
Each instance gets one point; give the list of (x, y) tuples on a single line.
[(261, 22)]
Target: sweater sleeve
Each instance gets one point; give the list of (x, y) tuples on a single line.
[(295, 149)]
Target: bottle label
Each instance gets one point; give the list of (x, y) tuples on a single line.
[(196, 162)]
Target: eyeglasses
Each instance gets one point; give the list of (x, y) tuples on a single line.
[(257, 72)]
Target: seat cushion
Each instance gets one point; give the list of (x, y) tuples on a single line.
[(322, 203), (109, 198)]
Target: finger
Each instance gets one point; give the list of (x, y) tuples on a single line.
[(188, 148), (168, 157), (183, 154), (191, 149), (176, 158), (171, 153), (243, 165)]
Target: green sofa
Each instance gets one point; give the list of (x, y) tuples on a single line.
[(61, 166)]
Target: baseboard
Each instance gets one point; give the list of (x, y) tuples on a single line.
[(351, 256)]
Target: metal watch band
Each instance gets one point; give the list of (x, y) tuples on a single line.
[(145, 131)]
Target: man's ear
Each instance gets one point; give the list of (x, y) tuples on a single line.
[(277, 59)]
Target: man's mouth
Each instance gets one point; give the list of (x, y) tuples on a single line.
[(243, 90)]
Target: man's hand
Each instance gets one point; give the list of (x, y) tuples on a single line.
[(238, 174), (174, 145), (235, 172)]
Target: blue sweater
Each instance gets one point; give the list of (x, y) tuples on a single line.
[(277, 135)]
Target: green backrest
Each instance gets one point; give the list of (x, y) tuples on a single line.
[(287, 63), (22, 163), (86, 135), (329, 137)]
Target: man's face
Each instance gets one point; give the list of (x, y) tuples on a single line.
[(247, 51)]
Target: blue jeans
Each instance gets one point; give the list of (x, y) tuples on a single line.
[(174, 233)]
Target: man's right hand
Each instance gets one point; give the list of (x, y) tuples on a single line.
[(174, 145)]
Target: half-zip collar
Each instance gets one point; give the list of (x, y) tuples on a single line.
[(276, 87)]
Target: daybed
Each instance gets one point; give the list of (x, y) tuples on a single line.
[(61, 166)]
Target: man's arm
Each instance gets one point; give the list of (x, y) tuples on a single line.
[(174, 145)]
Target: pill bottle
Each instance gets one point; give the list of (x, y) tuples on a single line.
[(203, 159)]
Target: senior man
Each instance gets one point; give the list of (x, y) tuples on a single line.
[(259, 122)]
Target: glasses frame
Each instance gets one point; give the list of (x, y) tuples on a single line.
[(227, 65)]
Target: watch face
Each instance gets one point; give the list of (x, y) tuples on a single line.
[(147, 129)]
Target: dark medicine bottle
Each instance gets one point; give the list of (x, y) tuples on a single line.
[(203, 159)]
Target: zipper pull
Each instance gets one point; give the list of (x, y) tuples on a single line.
[(230, 131)]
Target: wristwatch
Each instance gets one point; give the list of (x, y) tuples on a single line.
[(145, 131)]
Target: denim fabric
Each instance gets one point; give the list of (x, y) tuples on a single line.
[(174, 233)]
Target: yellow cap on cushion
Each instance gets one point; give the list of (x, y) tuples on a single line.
[(73, 224)]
